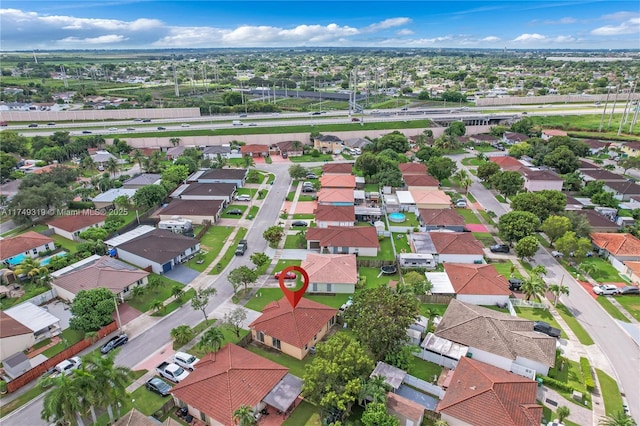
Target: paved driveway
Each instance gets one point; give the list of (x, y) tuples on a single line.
[(182, 274)]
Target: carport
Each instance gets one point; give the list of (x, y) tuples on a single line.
[(182, 274), (285, 393)]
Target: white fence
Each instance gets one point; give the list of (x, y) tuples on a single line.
[(528, 304), (512, 310), (424, 386), (438, 359), (43, 298), (523, 371)]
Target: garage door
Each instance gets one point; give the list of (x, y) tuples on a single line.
[(166, 267)]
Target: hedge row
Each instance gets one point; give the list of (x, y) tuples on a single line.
[(557, 385), (586, 373)]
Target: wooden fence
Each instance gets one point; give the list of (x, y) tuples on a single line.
[(205, 228), (437, 299), (36, 372)]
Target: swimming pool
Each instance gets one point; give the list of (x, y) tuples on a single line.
[(17, 259), (397, 217), (45, 261)]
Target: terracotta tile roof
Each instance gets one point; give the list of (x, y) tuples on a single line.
[(456, 243), (340, 236), (331, 268), (254, 149), (481, 394), (554, 132), (617, 244), (228, 379), (441, 217), (420, 180), (326, 213), (434, 196), (10, 327), (476, 279), (159, 245), (75, 222), (405, 407), (338, 181), (294, 326), (495, 332), (337, 168), (10, 247), (192, 207), (335, 195), (106, 272), (634, 266), (506, 161), (412, 168)]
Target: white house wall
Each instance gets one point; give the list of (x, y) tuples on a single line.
[(14, 344), (620, 267), (483, 299), (489, 358), (534, 365), (335, 288), (64, 294), (139, 261), (459, 258), (533, 186), (326, 224)]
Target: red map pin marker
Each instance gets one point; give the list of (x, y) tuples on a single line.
[(294, 296)]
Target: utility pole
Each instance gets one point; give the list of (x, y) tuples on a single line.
[(623, 119), (606, 102), (613, 108), (175, 80)]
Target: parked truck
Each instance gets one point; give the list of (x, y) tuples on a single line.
[(242, 247), (172, 371)]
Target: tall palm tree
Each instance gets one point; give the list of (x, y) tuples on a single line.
[(619, 418), (533, 287), (465, 183), (374, 389), (243, 416), (87, 163), (588, 268), (91, 392), (247, 161), (557, 290), (212, 339), (137, 157), (539, 271), (112, 379), (62, 401), (296, 146), (175, 141), (112, 166)]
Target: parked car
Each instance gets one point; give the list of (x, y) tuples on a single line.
[(235, 212), (242, 197), (33, 125), (312, 176), (185, 360), (557, 254), (543, 327), (605, 289), (499, 248), (628, 290), (515, 284), (115, 342), (288, 276), (299, 223), (308, 189), (461, 203), (158, 386)]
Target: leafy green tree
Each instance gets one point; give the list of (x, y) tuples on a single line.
[(373, 389), (31, 268), (12, 142), (579, 223), (235, 319), (243, 416), (395, 141), (516, 225), (388, 174), (562, 159), (524, 126), (176, 174), (425, 153), (259, 259), (555, 227), (368, 163), (487, 169), (380, 318), (232, 98), (8, 164), (567, 244), (521, 149), (417, 282), (606, 199), (541, 203), (200, 301), (376, 415), (441, 167), (456, 128), (112, 166), (593, 187), (297, 172), (92, 309), (242, 276), (177, 291), (148, 196), (273, 235), (326, 381), (572, 181), (527, 247), (563, 412), (508, 182), (188, 162), (629, 163), (211, 340), (96, 234)]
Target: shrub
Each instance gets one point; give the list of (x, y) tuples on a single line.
[(586, 373), (80, 205), (556, 384)]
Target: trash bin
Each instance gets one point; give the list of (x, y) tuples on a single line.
[(539, 380)]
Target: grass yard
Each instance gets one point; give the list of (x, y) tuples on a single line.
[(371, 187), (471, 162), (144, 301), (241, 207), (175, 304), (488, 219), (469, 216), (411, 220), (283, 263), (247, 191), (574, 325), (311, 158), (211, 243), (571, 374), (304, 414), (432, 308), (539, 314), (304, 216), (231, 252), (253, 211), (147, 402), (604, 272), (631, 304), (471, 198), (263, 297), (304, 197), (485, 238), (19, 401), (69, 337), (402, 242), (385, 252), (610, 392), (295, 366), (504, 268), (425, 370), (66, 244), (290, 196), (611, 308), (500, 198), (484, 148), (549, 415), (293, 242), (333, 301), (372, 279), (542, 240), (229, 337)]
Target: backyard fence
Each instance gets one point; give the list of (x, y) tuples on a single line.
[(438, 359), (528, 304), (423, 385), (436, 299), (205, 228), (42, 298)]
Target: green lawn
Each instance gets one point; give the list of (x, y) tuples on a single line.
[(372, 279), (333, 301), (610, 392), (295, 366), (572, 375), (385, 252), (469, 216), (147, 402), (66, 244), (504, 268), (425, 370), (229, 337), (253, 211), (611, 308), (310, 158), (575, 326), (304, 216), (604, 272), (304, 197), (631, 304), (247, 191), (488, 219), (263, 297), (303, 415), (539, 314), (438, 309), (292, 241), (371, 187), (543, 241), (20, 400), (290, 196), (549, 415), (411, 220), (500, 198), (485, 148), (211, 243), (485, 238), (175, 304), (241, 207), (402, 242), (70, 337), (145, 300), (231, 252), (471, 162), (283, 263)]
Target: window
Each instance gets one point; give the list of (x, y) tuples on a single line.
[(34, 251), (126, 289), (275, 343), (328, 288), (203, 417), (332, 321), (315, 337), (46, 246), (260, 336), (306, 347), (314, 287)]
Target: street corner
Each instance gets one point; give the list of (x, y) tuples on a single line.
[(152, 361)]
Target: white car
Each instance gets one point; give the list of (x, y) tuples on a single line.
[(604, 290), (557, 254), (185, 360), (185, 125), (113, 129), (242, 197)]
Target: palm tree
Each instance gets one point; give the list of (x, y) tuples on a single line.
[(539, 271), (111, 379), (31, 268), (533, 287), (157, 305), (87, 163), (182, 334), (481, 156), (557, 290), (112, 166), (375, 389), (175, 141), (247, 161), (465, 183), (296, 146), (588, 268), (441, 422), (90, 391), (243, 416), (138, 291), (563, 413), (212, 339), (138, 157), (177, 292), (62, 401), (619, 418)]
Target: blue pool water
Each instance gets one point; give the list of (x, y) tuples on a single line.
[(45, 261), (17, 259), (397, 217)]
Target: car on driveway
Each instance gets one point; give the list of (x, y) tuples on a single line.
[(299, 223), (461, 204), (288, 276), (113, 343), (312, 176), (499, 248), (557, 254), (308, 189), (543, 327), (515, 284), (242, 197), (235, 212), (605, 289), (158, 386), (628, 290)]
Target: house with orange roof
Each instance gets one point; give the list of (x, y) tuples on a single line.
[(327, 216), (434, 199), (549, 133), (72, 224), (474, 283), (457, 247), (481, 394), (338, 181), (30, 244), (337, 169), (293, 331), (233, 377), (420, 182), (331, 273), (617, 248), (441, 219), (336, 197), (507, 163), (412, 169), (633, 271), (358, 240), (254, 150), (405, 410)]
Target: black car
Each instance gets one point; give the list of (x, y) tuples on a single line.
[(146, 120), (86, 132), (299, 223), (308, 189), (543, 327), (33, 125), (515, 284), (156, 385), (114, 343), (235, 212), (628, 290), (51, 124), (162, 128), (499, 248), (312, 176)]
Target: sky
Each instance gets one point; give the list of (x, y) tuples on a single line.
[(151, 24)]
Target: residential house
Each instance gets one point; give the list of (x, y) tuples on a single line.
[(598, 222), (458, 247), (632, 149), (595, 146), (623, 191), (197, 211), (161, 250), (633, 271), (589, 175), (206, 191), (235, 176), (338, 181), (507, 163), (587, 165), (142, 180), (441, 219), (510, 138), (289, 148), (358, 240), (471, 283), (336, 197), (412, 169), (538, 180), (212, 152), (618, 248), (498, 339), (484, 138), (42, 324), (293, 331), (408, 412), (549, 133), (337, 169), (71, 225), (99, 272), (327, 215), (357, 142), (106, 199), (328, 144), (573, 203), (254, 150), (237, 377), (481, 394), (14, 250), (175, 152), (331, 273), (420, 182), (101, 157), (14, 336), (433, 199)]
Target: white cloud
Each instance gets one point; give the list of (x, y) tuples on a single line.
[(620, 16), (106, 39), (491, 39), (630, 26), (530, 37), (386, 24), (404, 32), (561, 21)]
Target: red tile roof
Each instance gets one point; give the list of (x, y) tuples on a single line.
[(10, 247), (441, 217), (331, 268), (481, 394), (338, 181), (405, 407), (337, 168), (617, 244), (228, 379), (74, 222), (420, 180), (554, 132), (456, 243), (325, 213), (335, 195), (10, 327), (340, 236), (254, 149), (476, 279), (294, 326), (412, 168), (506, 162)]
